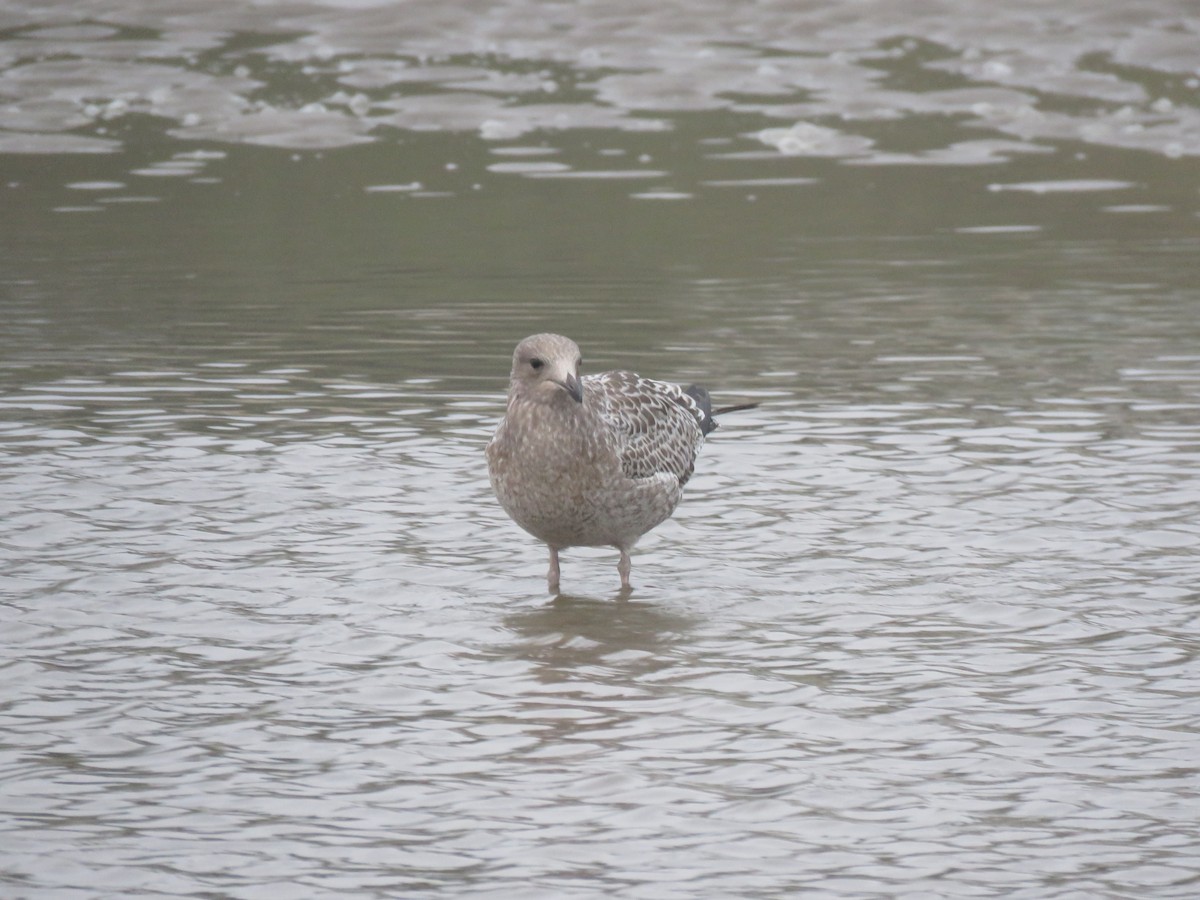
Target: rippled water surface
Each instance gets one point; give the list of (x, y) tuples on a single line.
[(926, 621)]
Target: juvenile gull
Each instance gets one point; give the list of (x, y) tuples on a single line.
[(592, 461)]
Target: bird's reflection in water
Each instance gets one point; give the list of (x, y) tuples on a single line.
[(574, 631)]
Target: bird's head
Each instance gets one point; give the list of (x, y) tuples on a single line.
[(546, 366)]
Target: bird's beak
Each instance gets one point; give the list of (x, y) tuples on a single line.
[(572, 386)]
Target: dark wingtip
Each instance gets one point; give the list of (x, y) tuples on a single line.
[(704, 401), (700, 395)]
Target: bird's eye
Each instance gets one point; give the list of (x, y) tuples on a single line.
[(579, 363), (537, 363)]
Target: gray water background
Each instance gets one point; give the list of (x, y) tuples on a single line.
[(926, 621)]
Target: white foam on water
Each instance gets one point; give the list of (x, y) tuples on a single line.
[(528, 168), (95, 185), (523, 151), (663, 195), (448, 68), (760, 182), (602, 174), (1137, 208), (393, 188), (807, 139), (26, 142), (1064, 186), (998, 229)]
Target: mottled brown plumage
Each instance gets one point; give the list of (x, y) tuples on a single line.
[(592, 461)]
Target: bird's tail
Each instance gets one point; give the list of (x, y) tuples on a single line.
[(738, 408)]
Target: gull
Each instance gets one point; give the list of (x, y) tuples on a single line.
[(593, 460)]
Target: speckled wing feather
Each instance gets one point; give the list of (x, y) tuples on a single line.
[(657, 427)]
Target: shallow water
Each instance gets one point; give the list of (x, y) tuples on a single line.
[(925, 623)]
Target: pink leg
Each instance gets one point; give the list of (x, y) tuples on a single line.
[(623, 568), (552, 572)]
